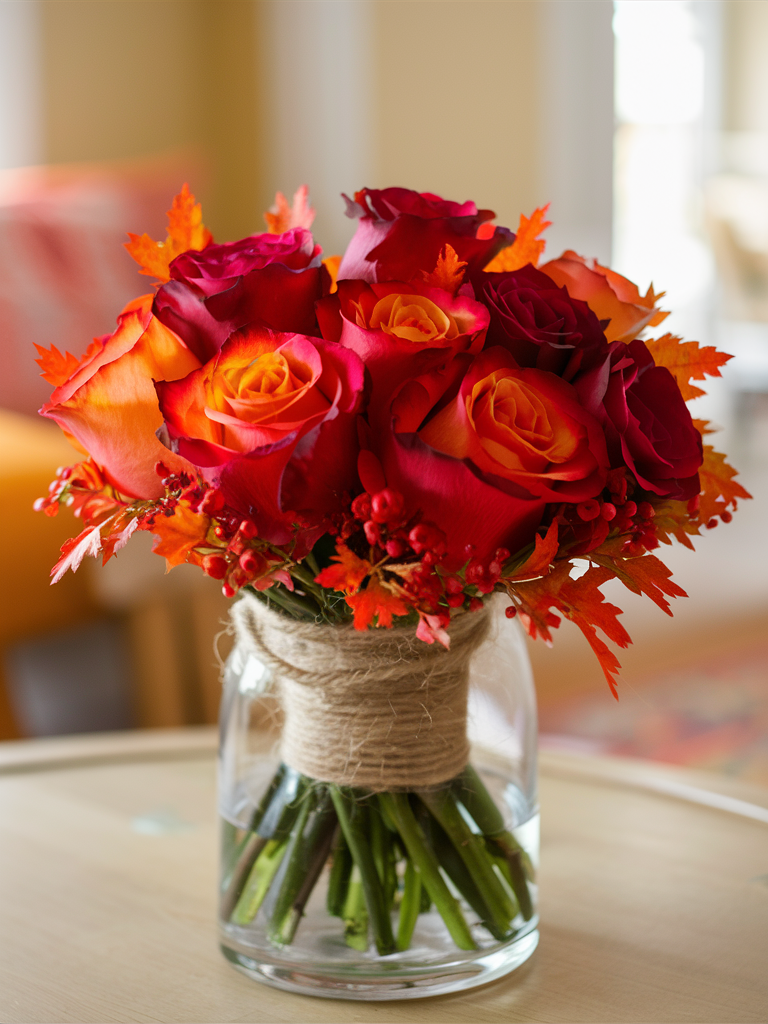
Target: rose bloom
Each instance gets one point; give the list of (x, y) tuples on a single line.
[(402, 232), (401, 330), (272, 279), (647, 424), (540, 324), (482, 447), (108, 408), (609, 295), (271, 421)]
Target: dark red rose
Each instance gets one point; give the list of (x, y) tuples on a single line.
[(401, 233), (540, 324), (647, 424), (274, 280)]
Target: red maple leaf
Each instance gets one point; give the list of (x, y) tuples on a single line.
[(178, 534), (375, 602), (686, 361), (540, 560), (281, 217), (642, 574), (347, 574), (719, 489), (527, 246), (448, 273), (582, 602), (185, 231)]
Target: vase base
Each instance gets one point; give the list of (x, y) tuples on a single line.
[(386, 979)]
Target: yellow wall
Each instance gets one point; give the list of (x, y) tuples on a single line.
[(456, 101), (746, 66), (125, 79)]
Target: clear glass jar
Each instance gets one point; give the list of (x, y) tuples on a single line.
[(320, 939)]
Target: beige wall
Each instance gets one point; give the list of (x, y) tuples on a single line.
[(129, 78), (746, 66), (457, 101)]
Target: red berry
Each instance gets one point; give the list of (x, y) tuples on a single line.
[(608, 511), (248, 529), (215, 566), (387, 506), (629, 509), (712, 524), (510, 612), (646, 510), (228, 591), (249, 562), (361, 507), (213, 501), (394, 548), (475, 604), (372, 532), (588, 510), (453, 585), (726, 516), (501, 555), (454, 600)]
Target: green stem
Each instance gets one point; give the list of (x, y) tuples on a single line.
[(399, 810), (409, 907), (355, 913), (307, 852), (236, 880), (383, 852), (471, 849), (259, 881), (351, 814), (298, 607), (482, 809), (341, 869), (452, 864)]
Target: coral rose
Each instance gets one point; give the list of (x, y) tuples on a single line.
[(482, 446), (108, 408), (609, 295), (402, 232), (647, 424), (271, 421), (270, 279), (401, 330), (541, 325)]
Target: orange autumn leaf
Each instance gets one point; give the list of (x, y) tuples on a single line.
[(539, 562), (376, 601), (177, 535), (719, 490), (582, 602), (448, 273), (281, 217), (348, 573), (527, 246), (332, 264), (643, 574), (686, 361), (57, 367), (185, 231)]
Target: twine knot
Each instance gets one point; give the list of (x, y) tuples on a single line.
[(377, 709)]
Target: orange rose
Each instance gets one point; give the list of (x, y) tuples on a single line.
[(271, 421), (609, 295), (108, 408)]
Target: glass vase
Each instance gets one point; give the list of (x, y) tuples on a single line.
[(357, 891)]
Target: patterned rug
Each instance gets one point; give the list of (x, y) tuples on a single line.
[(712, 715)]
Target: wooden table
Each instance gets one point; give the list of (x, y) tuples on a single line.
[(654, 895)]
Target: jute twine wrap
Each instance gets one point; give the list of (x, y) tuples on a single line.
[(378, 709)]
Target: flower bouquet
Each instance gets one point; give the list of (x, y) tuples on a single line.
[(366, 448)]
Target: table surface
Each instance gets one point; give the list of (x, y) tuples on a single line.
[(654, 902)]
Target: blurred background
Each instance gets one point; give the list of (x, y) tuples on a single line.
[(645, 125)]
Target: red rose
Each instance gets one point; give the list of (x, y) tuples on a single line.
[(402, 232), (401, 330), (270, 279), (481, 447), (271, 421), (647, 424), (540, 324)]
